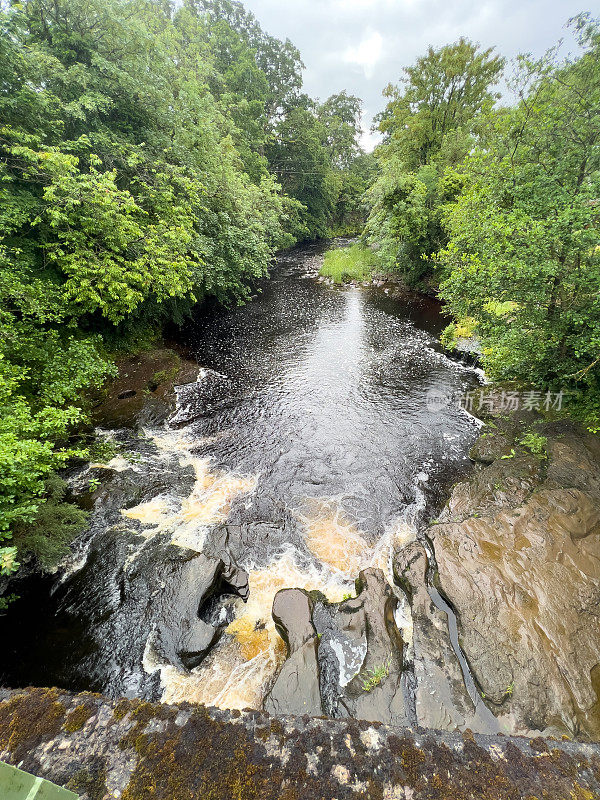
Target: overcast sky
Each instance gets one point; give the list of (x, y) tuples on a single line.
[(362, 45)]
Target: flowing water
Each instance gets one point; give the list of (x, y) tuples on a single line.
[(306, 442)]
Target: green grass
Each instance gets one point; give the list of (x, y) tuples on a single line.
[(370, 678), (355, 263)]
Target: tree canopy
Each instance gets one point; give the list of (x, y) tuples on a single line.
[(431, 122), (523, 257), (150, 155)]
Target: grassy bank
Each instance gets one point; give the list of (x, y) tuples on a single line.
[(344, 264)]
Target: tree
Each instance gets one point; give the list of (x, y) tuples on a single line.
[(444, 93), (298, 157), (430, 124), (124, 199), (341, 115), (523, 261)]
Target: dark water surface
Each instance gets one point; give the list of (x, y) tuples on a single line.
[(324, 394), (308, 433)]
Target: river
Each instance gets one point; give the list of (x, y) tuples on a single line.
[(306, 449)]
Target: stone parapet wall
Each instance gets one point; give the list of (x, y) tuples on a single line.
[(134, 750)]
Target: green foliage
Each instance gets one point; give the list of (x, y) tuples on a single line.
[(370, 678), (464, 329), (140, 145), (344, 264), (430, 125), (523, 257), (340, 115), (55, 526), (301, 162), (315, 154), (7, 600), (535, 442), (351, 209), (8, 560), (444, 95)]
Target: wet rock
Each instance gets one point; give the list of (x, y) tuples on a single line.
[(377, 693), (260, 525), (236, 579), (194, 611), (354, 667), (296, 687), (442, 700), (292, 613), (208, 390), (143, 392), (126, 481), (490, 447), (523, 573), (180, 636)]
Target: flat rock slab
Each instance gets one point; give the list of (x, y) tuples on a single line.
[(133, 750)]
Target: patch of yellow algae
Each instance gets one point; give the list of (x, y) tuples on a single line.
[(236, 673)]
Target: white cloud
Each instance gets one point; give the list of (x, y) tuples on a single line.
[(369, 139), (355, 5), (372, 6), (362, 45), (367, 54)]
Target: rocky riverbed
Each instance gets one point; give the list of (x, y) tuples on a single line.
[(516, 554)]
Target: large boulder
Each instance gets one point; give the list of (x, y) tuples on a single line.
[(296, 687), (199, 587), (377, 693), (446, 698), (344, 659), (518, 553)]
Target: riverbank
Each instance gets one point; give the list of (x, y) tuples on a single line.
[(143, 389), (140, 391), (518, 556), (353, 263)]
